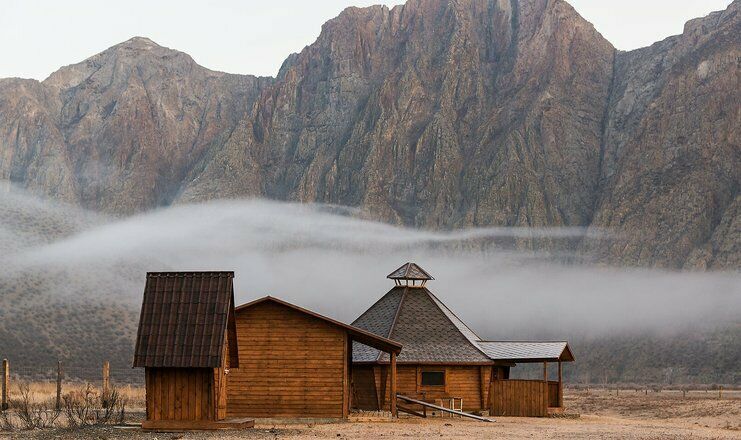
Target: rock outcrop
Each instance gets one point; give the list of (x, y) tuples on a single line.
[(436, 114)]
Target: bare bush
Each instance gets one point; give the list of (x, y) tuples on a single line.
[(87, 407), (32, 415)]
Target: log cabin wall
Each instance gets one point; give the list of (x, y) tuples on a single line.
[(290, 365), (460, 381), (180, 394)]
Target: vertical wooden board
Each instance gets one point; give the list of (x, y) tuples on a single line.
[(170, 377), (178, 378), (162, 395), (186, 396), (197, 396), (205, 397), (159, 397), (148, 394), (193, 398)]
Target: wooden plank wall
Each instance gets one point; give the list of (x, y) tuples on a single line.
[(290, 365), (180, 393), (518, 398)]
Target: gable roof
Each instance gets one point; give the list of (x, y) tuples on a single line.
[(184, 320), (368, 338), (429, 331), (432, 333), (528, 351), (410, 271)]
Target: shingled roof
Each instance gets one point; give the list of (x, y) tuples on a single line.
[(428, 330), (184, 320), (431, 333), (410, 271), (527, 351)]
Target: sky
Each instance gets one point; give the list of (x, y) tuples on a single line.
[(250, 36)]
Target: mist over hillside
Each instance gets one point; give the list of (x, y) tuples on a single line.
[(71, 275)]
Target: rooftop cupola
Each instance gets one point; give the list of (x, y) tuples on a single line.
[(409, 274)]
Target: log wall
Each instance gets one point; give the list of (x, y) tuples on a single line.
[(290, 365), (460, 381)]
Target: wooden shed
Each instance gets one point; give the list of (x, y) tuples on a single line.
[(187, 345), (444, 362), (295, 362)]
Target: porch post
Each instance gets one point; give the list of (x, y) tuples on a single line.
[(393, 384), (560, 386), (545, 380)]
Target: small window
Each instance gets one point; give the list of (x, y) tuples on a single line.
[(433, 378)]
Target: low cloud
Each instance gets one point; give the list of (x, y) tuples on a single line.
[(323, 259)]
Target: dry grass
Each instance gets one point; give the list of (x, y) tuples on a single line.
[(604, 415), (41, 392)]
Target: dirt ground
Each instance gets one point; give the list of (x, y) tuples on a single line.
[(602, 415)]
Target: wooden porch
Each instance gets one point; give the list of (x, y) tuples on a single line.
[(527, 398)]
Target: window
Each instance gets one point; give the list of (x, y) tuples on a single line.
[(433, 378)]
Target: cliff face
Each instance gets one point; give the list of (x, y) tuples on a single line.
[(436, 114), (122, 130), (672, 160)]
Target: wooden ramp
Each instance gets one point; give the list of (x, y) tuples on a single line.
[(196, 425), (439, 408)]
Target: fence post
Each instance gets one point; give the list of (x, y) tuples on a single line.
[(59, 386), (106, 377), (720, 392), (6, 384)]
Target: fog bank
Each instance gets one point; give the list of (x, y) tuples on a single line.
[(321, 258)]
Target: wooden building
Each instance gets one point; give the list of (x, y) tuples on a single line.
[(444, 361), (187, 345), (296, 363)]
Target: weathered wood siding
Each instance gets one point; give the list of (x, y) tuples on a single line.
[(519, 398), (290, 365), (180, 394), (460, 381)]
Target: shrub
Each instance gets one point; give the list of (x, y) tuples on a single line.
[(32, 415), (87, 407)]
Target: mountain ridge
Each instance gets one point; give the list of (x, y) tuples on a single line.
[(431, 114)]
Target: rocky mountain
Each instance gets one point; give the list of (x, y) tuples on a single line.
[(435, 114)]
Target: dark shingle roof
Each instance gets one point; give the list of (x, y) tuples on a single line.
[(184, 320), (427, 331), (410, 271), (527, 351), (430, 332)]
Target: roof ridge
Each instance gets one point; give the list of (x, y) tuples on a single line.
[(396, 318), (439, 303), (371, 307)]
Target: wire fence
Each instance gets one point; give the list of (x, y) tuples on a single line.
[(95, 375)]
